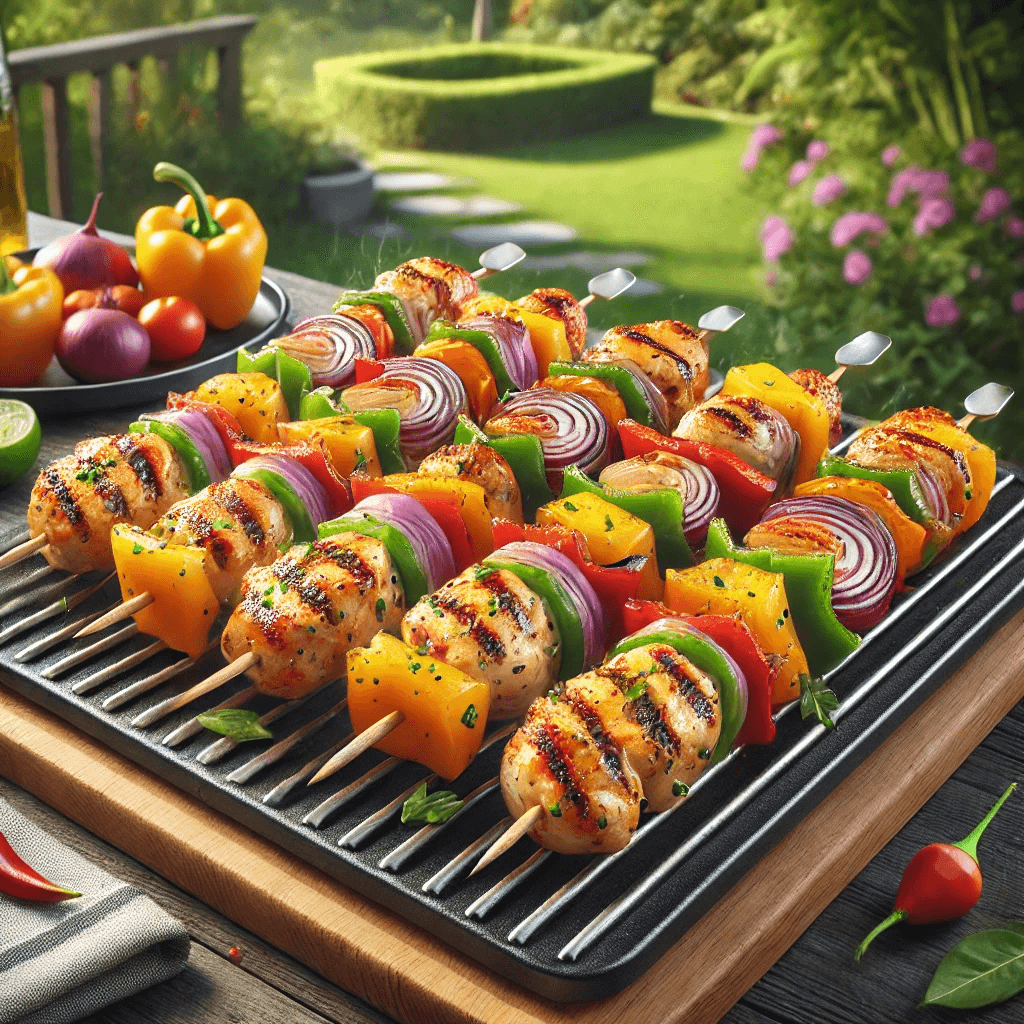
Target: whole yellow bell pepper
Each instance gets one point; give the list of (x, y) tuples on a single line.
[(214, 258), (30, 320)]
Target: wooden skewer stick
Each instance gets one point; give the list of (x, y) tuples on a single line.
[(965, 421), (516, 831), (23, 551), (359, 745), (835, 375), (119, 614)]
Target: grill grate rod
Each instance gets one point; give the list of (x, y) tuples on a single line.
[(130, 661), (115, 700), (563, 896), (94, 650), (355, 835), (43, 644), (622, 906), (277, 795), (38, 593), (220, 748), (61, 607), (483, 905), (193, 727), (437, 882)]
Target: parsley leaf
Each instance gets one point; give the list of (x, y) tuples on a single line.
[(817, 700), (431, 808)]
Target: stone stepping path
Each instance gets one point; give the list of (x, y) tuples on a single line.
[(383, 230), (454, 206), (416, 181), (523, 232)]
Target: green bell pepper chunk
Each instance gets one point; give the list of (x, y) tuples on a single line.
[(708, 657), (294, 376), (560, 607), (662, 508), (303, 528), (386, 424), (632, 394), (403, 557), (393, 310), (484, 344), (191, 459), (901, 482), (524, 455), (808, 582)]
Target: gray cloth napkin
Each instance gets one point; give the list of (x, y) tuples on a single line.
[(63, 961)]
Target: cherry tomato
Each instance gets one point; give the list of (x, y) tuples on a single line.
[(176, 328), (121, 296)]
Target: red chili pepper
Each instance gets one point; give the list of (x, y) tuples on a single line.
[(737, 641), (745, 491), (18, 879), (941, 882)]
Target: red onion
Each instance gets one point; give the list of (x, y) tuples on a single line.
[(584, 597), (694, 482), (100, 345), (419, 528), (935, 494), (204, 435), (328, 345), (570, 427), (85, 260), (429, 397), (513, 342), (655, 399), (865, 573), (309, 490)]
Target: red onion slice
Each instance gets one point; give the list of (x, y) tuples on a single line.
[(584, 597), (328, 345), (429, 397), (309, 490), (935, 495), (513, 342), (865, 573), (206, 438), (419, 527), (570, 427)]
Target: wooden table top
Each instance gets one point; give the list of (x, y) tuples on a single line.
[(816, 981)]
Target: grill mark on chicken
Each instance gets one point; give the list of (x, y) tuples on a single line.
[(735, 424), (684, 365), (439, 285), (702, 707), (63, 496), (139, 463), (487, 640), (225, 497), (956, 457), (508, 602), (611, 755), (112, 497), (205, 536), (551, 744)]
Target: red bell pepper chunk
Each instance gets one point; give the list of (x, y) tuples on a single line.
[(446, 514), (230, 430), (314, 457), (737, 641), (368, 369), (615, 585), (746, 492)]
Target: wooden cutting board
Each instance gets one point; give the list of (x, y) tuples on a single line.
[(416, 978)]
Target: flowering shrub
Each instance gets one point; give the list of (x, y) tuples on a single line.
[(929, 251)]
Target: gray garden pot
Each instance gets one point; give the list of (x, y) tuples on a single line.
[(340, 199)]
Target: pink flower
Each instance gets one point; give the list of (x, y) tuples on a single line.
[(974, 272), (777, 238), (891, 154), (942, 311), (1017, 302), (817, 150), (934, 213), (850, 225), (856, 267), (765, 135), (799, 171), (994, 202), (1015, 227), (829, 189), (927, 184), (750, 158), (980, 153)]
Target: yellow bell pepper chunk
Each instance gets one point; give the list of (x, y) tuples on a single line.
[(472, 369), (721, 586), (445, 710), (547, 334), (350, 445), (806, 413), (469, 498), (612, 534), (184, 606), (254, 399)]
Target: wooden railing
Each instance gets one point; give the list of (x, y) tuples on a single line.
[(53, 65)]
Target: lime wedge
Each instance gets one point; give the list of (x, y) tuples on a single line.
[(20, 438)]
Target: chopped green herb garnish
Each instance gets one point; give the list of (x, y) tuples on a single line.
[(602, 822), (817, 700), (556, 810), (360, 461), (636, 689), (608, 524), (311, 629), (470, 717), (551, 651), (431, 808), (719, 582), (234, 722), (570, 506), (381, 607), (680, 788), (223, 524), (704, 753), (136, 549)]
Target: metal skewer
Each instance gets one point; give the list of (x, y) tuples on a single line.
[(609, 285), (498, 258), (986, 402), (864, 350), (719, 320)]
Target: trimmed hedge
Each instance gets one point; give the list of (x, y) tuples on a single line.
[(479, 96)]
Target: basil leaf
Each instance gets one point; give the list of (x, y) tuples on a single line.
[(1013, 926), (817, 700), (432, 808), (239, 725), (984, 968)]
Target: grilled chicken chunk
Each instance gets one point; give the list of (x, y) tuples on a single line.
[(490, 625), (430, 289), (750, 429), (672, 354), (667, 731), (123, 478), (589, 793), (302, 614), (239, 524), (559, 304), (815, 382), (480, 464)]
